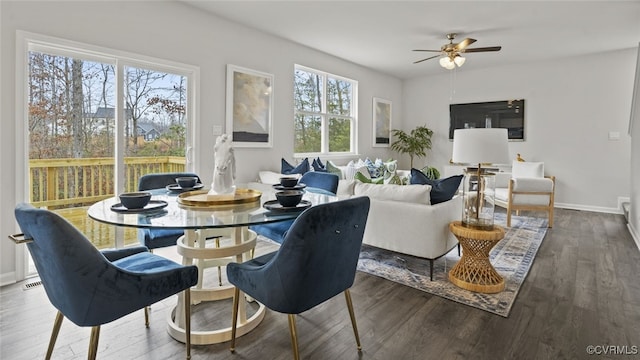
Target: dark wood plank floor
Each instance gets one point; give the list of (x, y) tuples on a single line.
[(582, 290)]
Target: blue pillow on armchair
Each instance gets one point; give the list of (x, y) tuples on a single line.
[(289, 169), (441, 190)]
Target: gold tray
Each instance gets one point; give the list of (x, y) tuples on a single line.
[(201, 198)]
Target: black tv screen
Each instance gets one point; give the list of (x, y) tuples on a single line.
[(508, 114)]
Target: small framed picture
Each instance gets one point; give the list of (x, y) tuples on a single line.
[(381, 122), (249, 108)]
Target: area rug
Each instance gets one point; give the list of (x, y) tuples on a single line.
[(512, 257)]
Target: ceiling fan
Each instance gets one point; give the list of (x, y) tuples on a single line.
[(452, 52)]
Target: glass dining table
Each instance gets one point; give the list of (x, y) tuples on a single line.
[(214, 234)]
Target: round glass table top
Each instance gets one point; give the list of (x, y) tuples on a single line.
[(177, 216)]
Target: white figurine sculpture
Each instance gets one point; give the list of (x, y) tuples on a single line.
[(224, 172)]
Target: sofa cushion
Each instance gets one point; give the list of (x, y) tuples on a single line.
[(289, 169), (441, 190), (412, 194), (334, 169), (317, 165), (521, 169)]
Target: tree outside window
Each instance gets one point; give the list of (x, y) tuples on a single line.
[(324, 112)]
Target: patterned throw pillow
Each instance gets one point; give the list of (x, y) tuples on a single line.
[(441, 190), (362, 178), (289, 169), (376, 168)]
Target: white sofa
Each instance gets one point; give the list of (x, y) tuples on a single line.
[(401, 217)]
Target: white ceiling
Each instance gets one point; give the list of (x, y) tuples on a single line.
[(381, 34)]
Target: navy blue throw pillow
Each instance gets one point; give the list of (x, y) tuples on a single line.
[(318, 165), (441, 190), (289, 169)]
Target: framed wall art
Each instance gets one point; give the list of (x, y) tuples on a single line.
[(381, 122), (249, 107)]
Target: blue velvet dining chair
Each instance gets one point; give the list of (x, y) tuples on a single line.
[(92, 287), (159, 238), (316, 261), (318, 182)]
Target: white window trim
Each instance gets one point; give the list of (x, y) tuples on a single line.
[(27, 41), (354, 115)]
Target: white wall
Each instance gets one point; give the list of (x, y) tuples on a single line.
[(174, 31), (634, 212), (571, 107)]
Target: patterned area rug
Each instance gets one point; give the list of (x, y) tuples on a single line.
[(512, 258)]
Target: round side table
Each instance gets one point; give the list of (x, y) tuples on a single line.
[(474, 272)]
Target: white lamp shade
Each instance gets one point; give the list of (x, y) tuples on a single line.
[(481, 145)]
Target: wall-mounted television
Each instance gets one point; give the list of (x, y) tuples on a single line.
[(508, 114)]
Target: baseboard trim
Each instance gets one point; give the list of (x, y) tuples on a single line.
[(8, 278), (600, 209), (634, 235)]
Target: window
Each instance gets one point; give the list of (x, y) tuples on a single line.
[(324, 112), (95, 120)]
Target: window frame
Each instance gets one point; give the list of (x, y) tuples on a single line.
[(325, 116), (27, 41)]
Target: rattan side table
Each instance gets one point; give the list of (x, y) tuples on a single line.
[(474, 272)]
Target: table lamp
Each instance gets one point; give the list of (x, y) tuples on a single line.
[(477, 148)]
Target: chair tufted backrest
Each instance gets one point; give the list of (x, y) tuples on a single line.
[(161, 180), (319, 255), (321, 180)]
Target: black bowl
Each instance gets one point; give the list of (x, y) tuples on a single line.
[(187, 181), (135, 200), (288, 181), (289, 198)]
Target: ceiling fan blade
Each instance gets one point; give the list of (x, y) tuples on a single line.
[(464, 43), (427, 50), (419, 61), (482, 49)]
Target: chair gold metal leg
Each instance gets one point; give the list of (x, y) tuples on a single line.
[(347, 295), (234, 320), (294, 336), (187, 321), (54, 334), (93, 343), (146, 316)]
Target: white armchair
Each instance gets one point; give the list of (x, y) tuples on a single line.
[(527, 189)]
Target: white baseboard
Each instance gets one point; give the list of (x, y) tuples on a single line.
[(600, 209), (634, 235), (8, 278)]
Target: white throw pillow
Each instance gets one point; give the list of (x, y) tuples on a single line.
[(419, 194), (521, 169)]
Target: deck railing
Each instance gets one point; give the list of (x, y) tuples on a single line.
[(70, 186), (63, 183)]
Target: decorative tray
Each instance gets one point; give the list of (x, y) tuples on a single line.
[(177, 188), (152, 205), (201, 198), (297, 187), (274, 205)]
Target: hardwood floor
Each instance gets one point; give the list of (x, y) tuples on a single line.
[(582, 290)]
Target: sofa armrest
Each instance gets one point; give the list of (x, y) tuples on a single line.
[(415, 229)]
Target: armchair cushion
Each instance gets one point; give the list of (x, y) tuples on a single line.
[(521, 169), (531, 185)]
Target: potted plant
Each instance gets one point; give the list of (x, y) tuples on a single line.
[(414, 143)]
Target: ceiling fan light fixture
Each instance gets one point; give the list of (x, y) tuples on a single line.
[(447, 63), (459, 60)]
